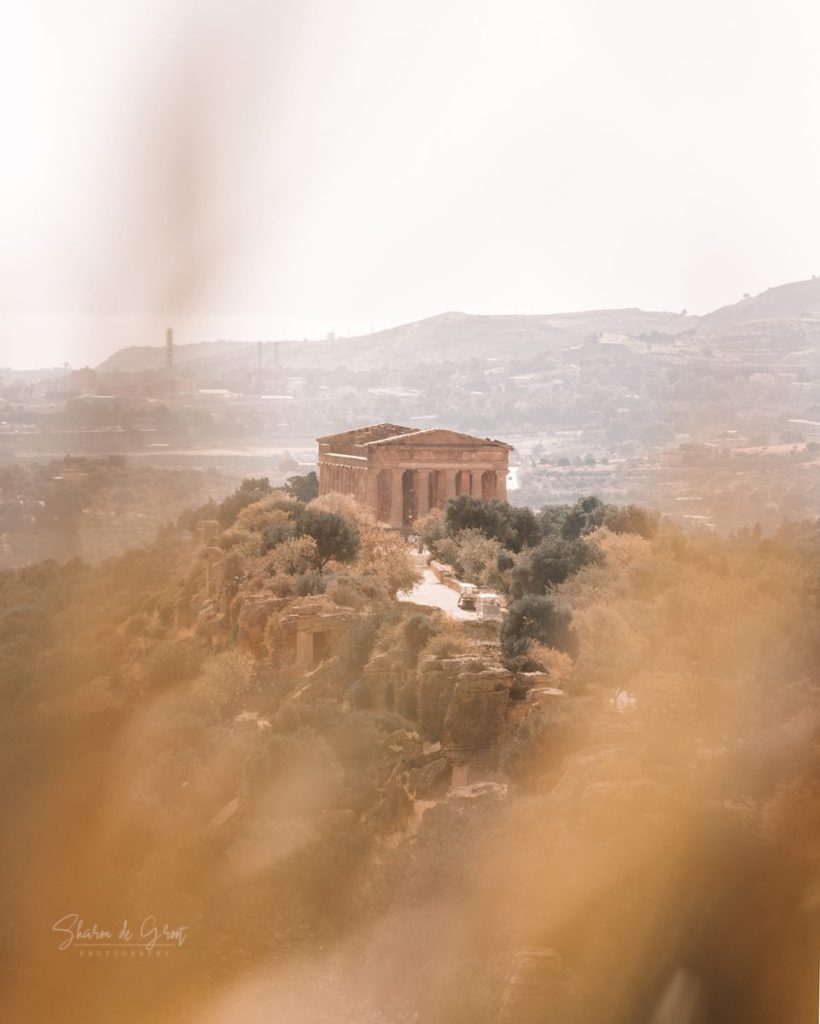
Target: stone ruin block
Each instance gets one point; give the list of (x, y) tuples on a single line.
[(308, 632)]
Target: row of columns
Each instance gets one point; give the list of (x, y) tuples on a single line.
[(410, 497), (344, 480), (400, 496)]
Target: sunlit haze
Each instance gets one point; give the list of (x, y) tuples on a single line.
[(409, 512), (282, 170)]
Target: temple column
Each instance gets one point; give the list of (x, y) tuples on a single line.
[(371, 490), (450, 484), (396, 499), (422, 492)]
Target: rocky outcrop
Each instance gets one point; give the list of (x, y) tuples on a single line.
[(421, 769), (436, 686), (468, 704), (254, 613), (430, 775), (382, 678), (475, 725)]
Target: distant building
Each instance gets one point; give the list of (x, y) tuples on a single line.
[(77, 382), (400, 473)]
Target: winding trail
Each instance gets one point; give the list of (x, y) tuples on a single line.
[(435, 594)]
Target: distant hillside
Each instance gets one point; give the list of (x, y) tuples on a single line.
[(785, 302), (152, 357), (459, 336), (456, 336)]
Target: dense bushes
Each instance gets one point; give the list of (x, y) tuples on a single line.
[(297, 544), (277, 824), (544, 567), (514, 528), (494, 544), (250, 490), (540, 619)]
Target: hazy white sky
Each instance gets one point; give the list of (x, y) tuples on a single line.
[(263, 169)]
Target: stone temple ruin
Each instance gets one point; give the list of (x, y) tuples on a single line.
[(400, 473)]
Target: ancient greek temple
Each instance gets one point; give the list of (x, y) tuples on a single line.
[(400, 473)]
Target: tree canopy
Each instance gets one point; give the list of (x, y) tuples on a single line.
[(303, 488), (336, 538), (538, 618)]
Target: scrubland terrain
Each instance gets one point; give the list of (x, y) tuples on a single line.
[(607, 810)]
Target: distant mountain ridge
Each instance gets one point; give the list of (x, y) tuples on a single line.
[(783, 302), (459, 336), (452, 335)]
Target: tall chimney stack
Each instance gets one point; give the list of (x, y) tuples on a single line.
[(169, 348)]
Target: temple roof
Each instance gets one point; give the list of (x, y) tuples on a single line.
[(366, 435), (436, 437)]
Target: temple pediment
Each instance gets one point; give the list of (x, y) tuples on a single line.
[(363, 435), (437, 438)]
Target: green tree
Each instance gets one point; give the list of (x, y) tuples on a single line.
[(548, 565), (513, 528), (303, 488), (631, 519), (585, 515), (336, 538), (250, 490), (535, 617)]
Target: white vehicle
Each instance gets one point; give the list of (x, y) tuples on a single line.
[(467, 596), (488, 606)]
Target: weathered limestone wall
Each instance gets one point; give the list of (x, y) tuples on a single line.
[(469, 704), (476, 722), (291, 636)]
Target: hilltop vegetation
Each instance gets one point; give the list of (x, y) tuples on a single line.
[(652, 808)]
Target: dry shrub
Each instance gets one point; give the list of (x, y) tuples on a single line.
[(556, 664), (225, 677), (261, 514), (292, 557), (383, 553)]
